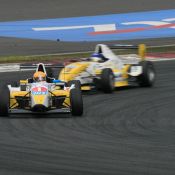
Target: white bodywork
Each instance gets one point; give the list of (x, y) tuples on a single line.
[(113, 61), (39, 88), (107, 53)]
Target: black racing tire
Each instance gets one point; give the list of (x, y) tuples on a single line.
[(75, 82), (107, 81), (76, 102), (147, 78), (5, 100)]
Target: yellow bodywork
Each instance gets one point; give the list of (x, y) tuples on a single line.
[(142, 51), (66, 93), (123, 75), (23, 82), (39, 99), (13, 102), (71, 71), (85, 88), (74, 69)]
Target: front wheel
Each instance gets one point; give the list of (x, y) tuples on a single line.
[(147, 78), (76, 102), (4, 102), (107, 80)]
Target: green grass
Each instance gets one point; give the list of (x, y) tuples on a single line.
[(59, 57), (17, 59)]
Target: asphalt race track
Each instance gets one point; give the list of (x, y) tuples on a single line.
[(131, 131), (43, 9)]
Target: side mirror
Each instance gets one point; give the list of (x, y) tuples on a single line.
[(56, 81)]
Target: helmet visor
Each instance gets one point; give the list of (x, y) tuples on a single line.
[(40, 78)]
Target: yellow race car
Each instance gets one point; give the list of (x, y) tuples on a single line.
[(41, 94), (105, 70)]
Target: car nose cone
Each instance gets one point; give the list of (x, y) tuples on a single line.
[(39, 108)]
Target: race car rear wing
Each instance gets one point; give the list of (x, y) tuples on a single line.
[(141, 48), (35, 66), (121, 46), (46, 68)]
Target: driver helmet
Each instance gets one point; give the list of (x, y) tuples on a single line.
[(96, 57), (39, 76)]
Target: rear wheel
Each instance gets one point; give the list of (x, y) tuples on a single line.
[(76, 102), (107, 80), (5, 98), (147, 78)]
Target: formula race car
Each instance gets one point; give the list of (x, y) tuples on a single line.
[(105, 70), (41, 94)]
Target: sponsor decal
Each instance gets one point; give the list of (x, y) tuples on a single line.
[(39, 90)]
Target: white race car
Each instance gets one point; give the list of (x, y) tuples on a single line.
[(105, 70)]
